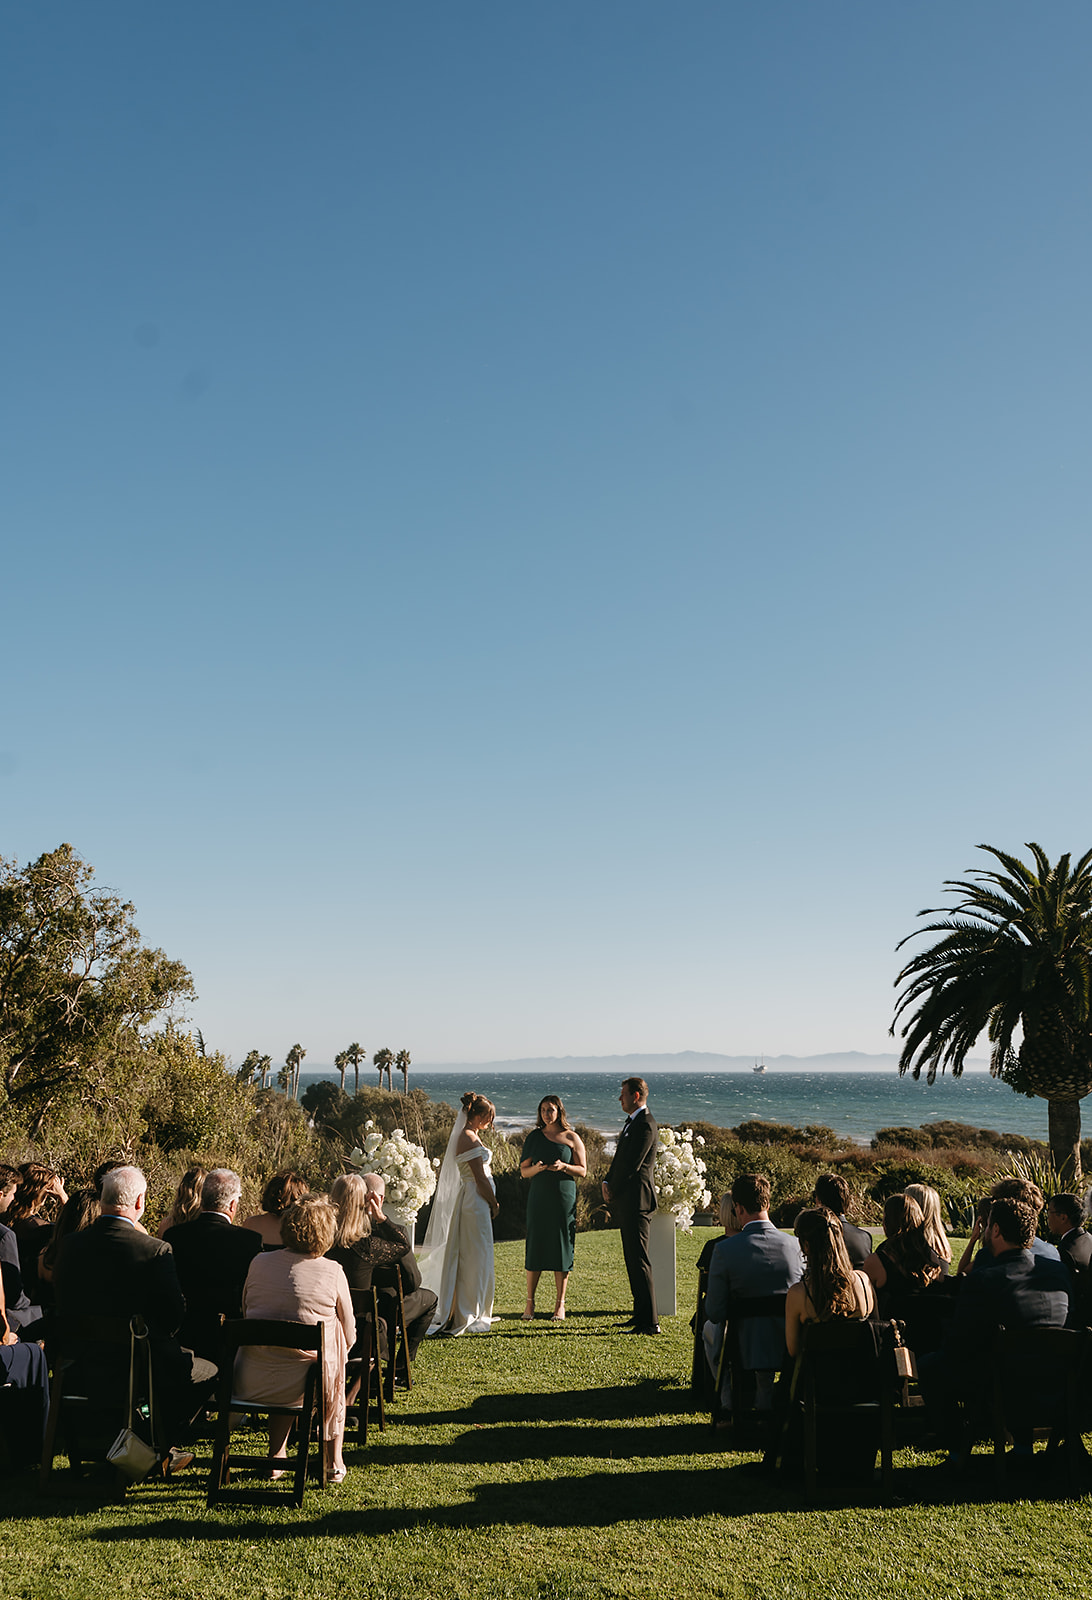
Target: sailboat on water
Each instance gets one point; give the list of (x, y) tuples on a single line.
[(759, 1066)]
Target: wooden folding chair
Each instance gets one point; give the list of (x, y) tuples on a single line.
[(89, 1407), (1036, 1385), (744, 1414), (363, 1370), (309, 1413), (397, 1340), (845, 1371)]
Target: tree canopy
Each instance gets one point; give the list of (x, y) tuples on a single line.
[(1014, 961), (74, 977)]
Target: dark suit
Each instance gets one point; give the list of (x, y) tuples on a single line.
[(632, 1202), (1016, 1289), (24, 1318), (1075, 1249), (858, 1241), (113, 1269), (212, 1259)]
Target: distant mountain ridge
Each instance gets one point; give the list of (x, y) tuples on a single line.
[(680, 1061)]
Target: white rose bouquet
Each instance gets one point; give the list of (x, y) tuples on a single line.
[(679, 1176), (407, 1171)]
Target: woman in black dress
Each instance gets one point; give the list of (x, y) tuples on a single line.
[(553, 1159)]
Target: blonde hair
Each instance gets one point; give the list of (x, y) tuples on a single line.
[(929, 1201), (309, 1226), (350, 1195)]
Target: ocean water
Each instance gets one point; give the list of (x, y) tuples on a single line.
[(854, 1103)]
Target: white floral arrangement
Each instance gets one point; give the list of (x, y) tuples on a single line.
[(407, 1171), (679, 1176)]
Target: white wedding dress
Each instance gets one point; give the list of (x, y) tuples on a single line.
[(457, 1256)]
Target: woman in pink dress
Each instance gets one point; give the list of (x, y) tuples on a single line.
[(297, 1284)]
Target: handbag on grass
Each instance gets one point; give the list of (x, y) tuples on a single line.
[(129, 1453)]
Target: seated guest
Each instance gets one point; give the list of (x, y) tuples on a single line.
[(833, 1192), (358, 1247), (418, 1303), (23, 1370), (212, 1259), (79, 1211), (297, 1284), (699, 1371), (187, 1201), (830, 1288), (282, 1191), (114, 1268), (903, 1264), (757, 1262), (1011, 1287), (31, 1214), (929, 1201), (24, 1317), (1065, 1219), (1019, 1189)]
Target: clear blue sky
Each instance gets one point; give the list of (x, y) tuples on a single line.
[(544, 529)]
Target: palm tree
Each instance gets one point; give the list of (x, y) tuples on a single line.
[(383, 1060), (356, 1053), (249, 1069), (341, 1062), (265, 1067), (402, 1062), (1014, 955), (292, 1061)]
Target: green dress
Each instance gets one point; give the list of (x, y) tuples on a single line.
[(551, 1208)]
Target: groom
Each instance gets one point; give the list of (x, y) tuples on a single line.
[(629, 1193)]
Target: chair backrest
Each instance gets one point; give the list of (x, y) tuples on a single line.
[(741, 1308), (1045, 1352), (67, 1331), (241, 1332)]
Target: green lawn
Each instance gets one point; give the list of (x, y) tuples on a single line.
[(543, 1461)]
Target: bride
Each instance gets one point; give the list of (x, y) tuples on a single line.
[(457, 1256)]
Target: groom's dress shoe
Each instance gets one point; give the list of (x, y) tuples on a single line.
[(653, 1327)]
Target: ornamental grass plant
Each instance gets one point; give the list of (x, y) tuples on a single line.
[(555, 1462)]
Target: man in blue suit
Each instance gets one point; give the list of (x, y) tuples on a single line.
[(757, 1262)]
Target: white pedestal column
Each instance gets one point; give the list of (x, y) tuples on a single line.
[(661, 1251)]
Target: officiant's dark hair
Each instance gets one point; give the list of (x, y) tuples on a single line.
[(636, 1086), (552, 1100)]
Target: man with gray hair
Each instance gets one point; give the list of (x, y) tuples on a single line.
[(115, 1269), (213, 1259)]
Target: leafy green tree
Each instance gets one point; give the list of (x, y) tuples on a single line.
[(402, 1062), (74, 978), (1014, 961), (383, 1061), (356, 1054)]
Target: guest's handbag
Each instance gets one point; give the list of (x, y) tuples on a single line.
[(133, 1458)]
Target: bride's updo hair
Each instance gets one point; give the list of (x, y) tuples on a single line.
[(476, 1105)]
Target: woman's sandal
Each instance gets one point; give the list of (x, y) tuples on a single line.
[(528, 1315), (558, 1316)]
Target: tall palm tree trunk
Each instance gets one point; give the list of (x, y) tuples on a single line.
[(1064, 1122)]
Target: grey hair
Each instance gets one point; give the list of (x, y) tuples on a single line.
[(375, 1181), (219, 1189), (123, 1186)]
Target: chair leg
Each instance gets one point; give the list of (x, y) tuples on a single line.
[(49, 1446)]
